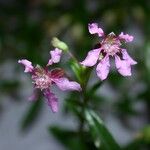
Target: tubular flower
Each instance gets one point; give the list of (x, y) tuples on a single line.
[(44, 79), (109, 46)]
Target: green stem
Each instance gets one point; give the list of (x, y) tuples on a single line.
[(86, 76), (71, 55)]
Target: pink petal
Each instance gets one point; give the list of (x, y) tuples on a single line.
[(93, 29), (102, 68), (27, 64), (52, 101), (123, 67), (126, 37), (55, 56), (50, 62), (128, 58), (64, 84), (91, 58)]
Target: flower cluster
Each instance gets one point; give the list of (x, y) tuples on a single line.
[(109, 46), (43, 79)]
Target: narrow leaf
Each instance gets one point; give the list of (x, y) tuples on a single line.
[(31, 114), (99, 132)]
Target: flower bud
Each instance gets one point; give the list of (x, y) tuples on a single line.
[(59, 44)]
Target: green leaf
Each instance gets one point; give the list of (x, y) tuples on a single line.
[(95, 87), (125, 106), (31, 115), (72, 140), (141, 140), (99, 132), (147, 55), (73, 106), (8, 86), (91, 92), (77, 69)]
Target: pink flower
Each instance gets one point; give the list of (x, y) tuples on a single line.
[(44, 79), (109, 46)]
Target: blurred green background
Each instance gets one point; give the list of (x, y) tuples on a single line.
[(27, 27)]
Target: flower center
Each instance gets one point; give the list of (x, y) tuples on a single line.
[(111, 45), (42, 82), (41, 79)]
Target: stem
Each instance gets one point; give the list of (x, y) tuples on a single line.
[(72, 56), (84, 99), (85, 75), (82, 121)]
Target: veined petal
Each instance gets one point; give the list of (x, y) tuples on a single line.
[(102, 68), (91, 58), (64, 84), (128, 58), (27, 64), (126, 37), (52, 101), (93, 29), (55, 56), (56, 73), (123, 66)]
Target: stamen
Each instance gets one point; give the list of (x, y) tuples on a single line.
[(41, 79), (111, 44)]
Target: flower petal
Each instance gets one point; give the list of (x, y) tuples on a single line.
[(126, 37), (64, 84), (128, 58), (56, 73), (55, 56), (123, 66), (52, 101), (93, 29), (91, 58), (27, 64), (102, 68)]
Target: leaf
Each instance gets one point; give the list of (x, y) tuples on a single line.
[(141, 140), (8, 85), (70, 139), (32, 114), (99, 132), (73, 106), (96, 86), (93, 90), (77, 69), (147, 55), (125, 106)]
